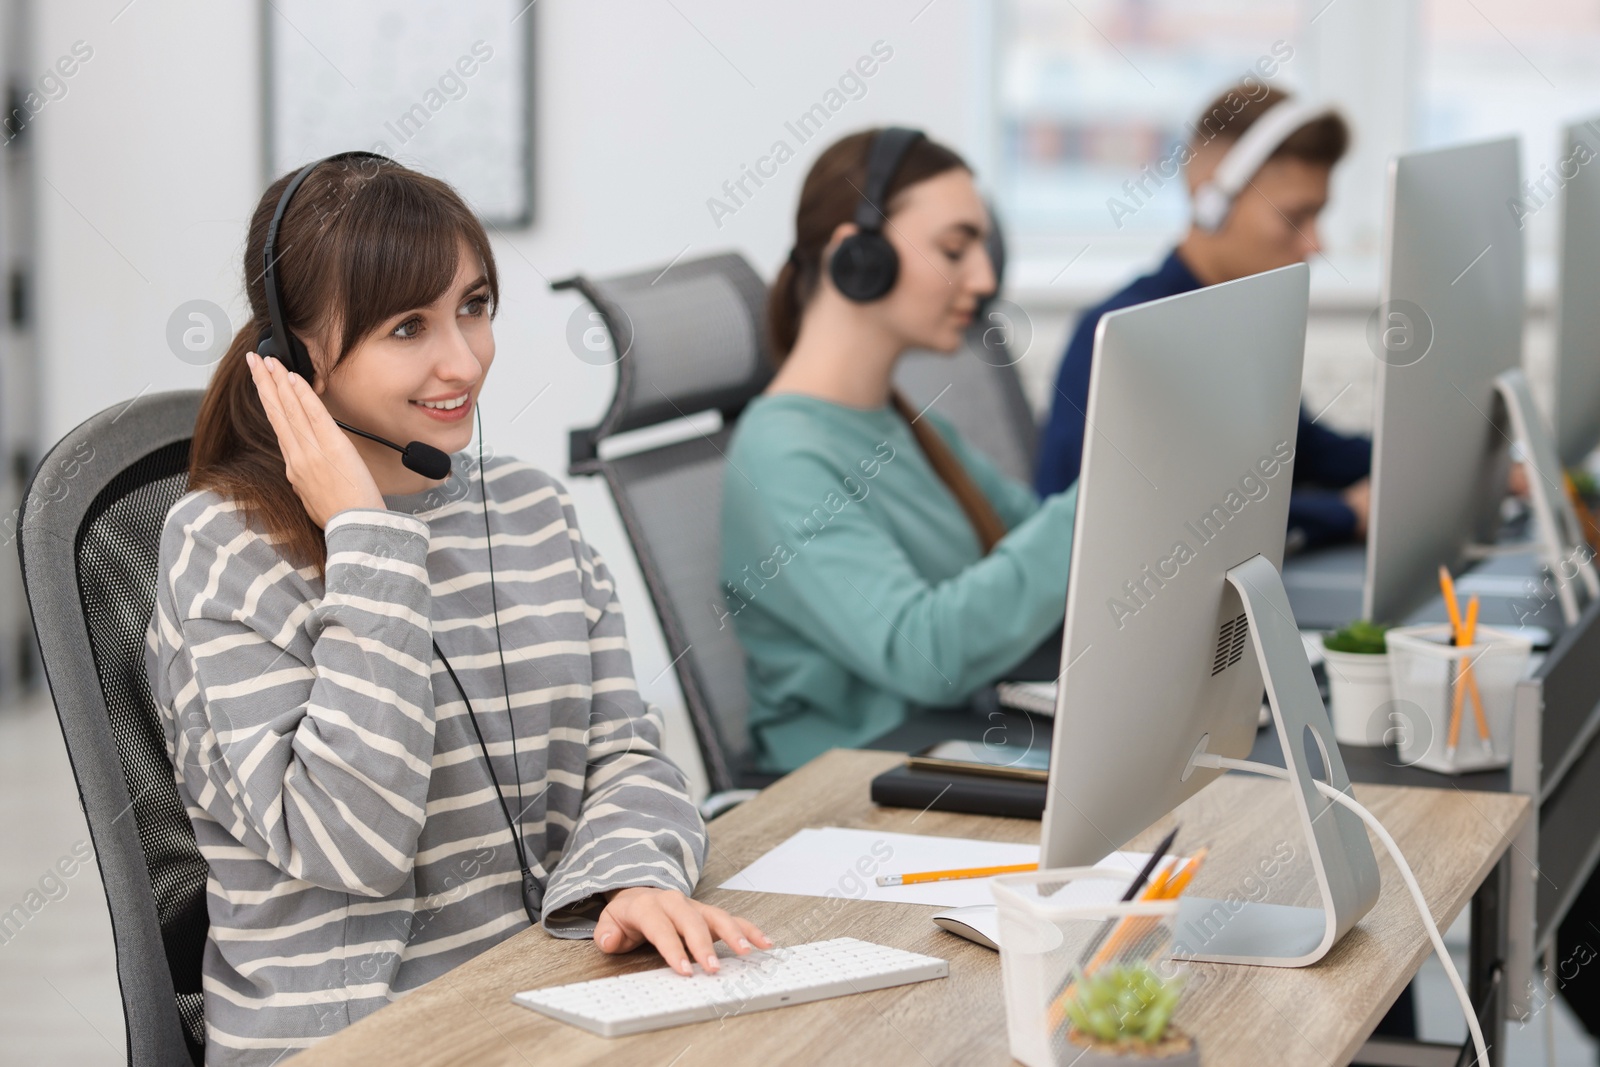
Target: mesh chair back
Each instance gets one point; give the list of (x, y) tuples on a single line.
[(90, 533), (688, 338), (977, 388), (691, 338)]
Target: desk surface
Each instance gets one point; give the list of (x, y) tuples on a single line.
[(1243, 1015)]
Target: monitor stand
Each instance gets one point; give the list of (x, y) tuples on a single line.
[(1277, 935), (1560, 540)]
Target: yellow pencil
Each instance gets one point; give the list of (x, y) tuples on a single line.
[(1166, 885), (918, 877), (1131, 929), (1448, 589), (1471, 626), (1455, 709), (1451, 604), (1181, 882)]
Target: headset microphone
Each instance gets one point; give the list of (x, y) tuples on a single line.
[(278, 342), (418, 456)]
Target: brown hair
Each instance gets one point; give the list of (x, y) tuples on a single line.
[(832, 189), (363, 240), (1321, 141)]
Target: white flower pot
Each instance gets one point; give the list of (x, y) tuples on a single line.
[(1358, 686)]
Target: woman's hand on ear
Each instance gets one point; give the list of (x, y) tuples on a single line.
[(670, 921), (321, 463)]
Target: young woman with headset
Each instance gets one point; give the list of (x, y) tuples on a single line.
[(873, 563), (371, 811)]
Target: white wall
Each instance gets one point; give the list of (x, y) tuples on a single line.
[(151, 164)]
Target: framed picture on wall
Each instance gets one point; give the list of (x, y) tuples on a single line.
[(446, 88)]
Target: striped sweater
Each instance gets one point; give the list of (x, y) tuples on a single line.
[(328, 764)]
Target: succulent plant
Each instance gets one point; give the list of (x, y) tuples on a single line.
[(1362, 637), (1119, 1002)]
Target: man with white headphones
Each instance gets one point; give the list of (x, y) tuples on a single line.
[(1258, 171)]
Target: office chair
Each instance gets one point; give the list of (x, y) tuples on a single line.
[(89, 537), (977, 387), (692, 339)]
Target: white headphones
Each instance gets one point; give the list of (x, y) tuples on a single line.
[(1214, 198)]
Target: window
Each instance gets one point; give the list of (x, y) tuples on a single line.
[(1495, 67), (1091, 91)]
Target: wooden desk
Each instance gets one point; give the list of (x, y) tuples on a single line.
[(1243, 1015)]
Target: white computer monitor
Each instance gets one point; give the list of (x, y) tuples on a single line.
[(1577, 308), (1449, 323), (1175, 602)]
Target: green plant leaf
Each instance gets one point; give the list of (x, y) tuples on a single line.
[(1361, 637)]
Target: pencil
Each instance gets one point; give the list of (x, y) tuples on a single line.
[(1106, 945), (1451, 604), (1156, 857), (1176, 887), (1139, 882), (1059, 998), (919, 877), (1134, 929), (1448, 589), (1455, 710), (1472, 678)]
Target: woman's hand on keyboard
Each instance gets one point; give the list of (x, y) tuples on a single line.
[(670, 921)]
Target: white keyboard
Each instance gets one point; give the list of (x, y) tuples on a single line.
[(775, 978)]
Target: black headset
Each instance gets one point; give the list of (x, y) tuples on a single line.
[(865, 265), (277, 341), (429, 462)]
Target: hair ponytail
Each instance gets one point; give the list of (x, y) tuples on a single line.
[(783, 308), (986, 522)]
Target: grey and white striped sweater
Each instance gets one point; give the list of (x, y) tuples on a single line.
[(355, 845)]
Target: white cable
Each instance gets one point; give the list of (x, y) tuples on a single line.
[(1207, 759)]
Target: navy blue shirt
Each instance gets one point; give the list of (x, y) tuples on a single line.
[(1324, 462)]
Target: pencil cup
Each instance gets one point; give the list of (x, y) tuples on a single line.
[(1460, 699), (1088, 978)]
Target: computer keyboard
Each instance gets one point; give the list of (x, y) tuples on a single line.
[(775, 978)]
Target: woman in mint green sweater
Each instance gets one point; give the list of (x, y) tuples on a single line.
[(874, 563)]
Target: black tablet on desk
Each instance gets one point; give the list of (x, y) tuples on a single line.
[(971, 794)]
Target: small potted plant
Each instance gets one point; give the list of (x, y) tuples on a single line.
[(1584, 484), (1121, 1015), (1358, 682)]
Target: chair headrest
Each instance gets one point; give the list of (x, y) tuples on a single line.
[(687, 337)]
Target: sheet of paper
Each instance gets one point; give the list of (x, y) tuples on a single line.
[(836, 862)]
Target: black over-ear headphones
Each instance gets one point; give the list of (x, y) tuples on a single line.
[(865, 266), (277, 341)]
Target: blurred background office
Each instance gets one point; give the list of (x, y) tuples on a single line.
[(607, 135)]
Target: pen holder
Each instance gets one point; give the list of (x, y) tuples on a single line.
[(1456, 693), (1087, 977)]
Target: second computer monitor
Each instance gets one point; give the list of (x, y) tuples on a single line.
[(1187, 464), (1577, 311), (1450, 321)]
